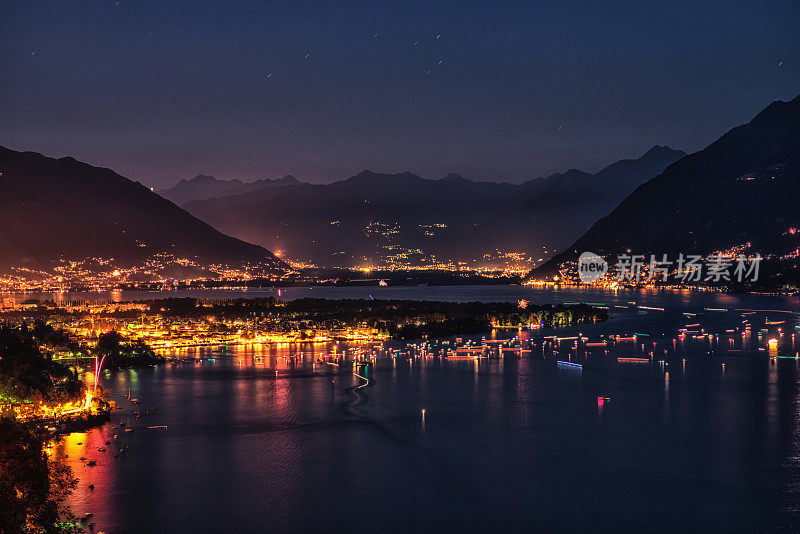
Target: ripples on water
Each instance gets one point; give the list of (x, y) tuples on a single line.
[(513, 443)]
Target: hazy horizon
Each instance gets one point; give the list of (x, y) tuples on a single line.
[(327, 181), (324, 181)]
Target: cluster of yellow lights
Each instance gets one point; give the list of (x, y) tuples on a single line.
[(25, 412), (101, 274), (162, 332)]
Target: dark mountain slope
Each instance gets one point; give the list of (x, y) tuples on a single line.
[(743, 188), (61, 208)]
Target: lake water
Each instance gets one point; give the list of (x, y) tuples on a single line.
[(467, 293), (519, 443)]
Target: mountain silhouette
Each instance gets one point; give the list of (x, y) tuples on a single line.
[(62, 209), (743, 191), (202, 187), (371, 215)]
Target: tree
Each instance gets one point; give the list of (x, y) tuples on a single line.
[(33, 488)]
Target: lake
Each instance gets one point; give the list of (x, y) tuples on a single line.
[(708, 439)]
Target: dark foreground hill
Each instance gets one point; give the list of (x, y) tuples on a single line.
[(742, 192), (62, 209)]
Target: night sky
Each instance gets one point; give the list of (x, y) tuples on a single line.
[(165, 90)]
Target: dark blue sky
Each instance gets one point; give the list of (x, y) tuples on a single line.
[(165, 90)]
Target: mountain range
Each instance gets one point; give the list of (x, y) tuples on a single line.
[(202, 187), (379, 219), (741, 192), (53, 210)]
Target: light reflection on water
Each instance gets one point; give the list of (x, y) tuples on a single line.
[(513, 443), (510, 293)]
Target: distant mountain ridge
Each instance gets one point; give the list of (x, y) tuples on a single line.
[(743, 190), (203, 187), (53, 209), (369, 216)]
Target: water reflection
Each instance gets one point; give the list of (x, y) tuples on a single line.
[(508, 293), (513, 442)]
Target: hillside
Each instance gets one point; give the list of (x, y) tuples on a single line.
[(741, 191), (62, 209)]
